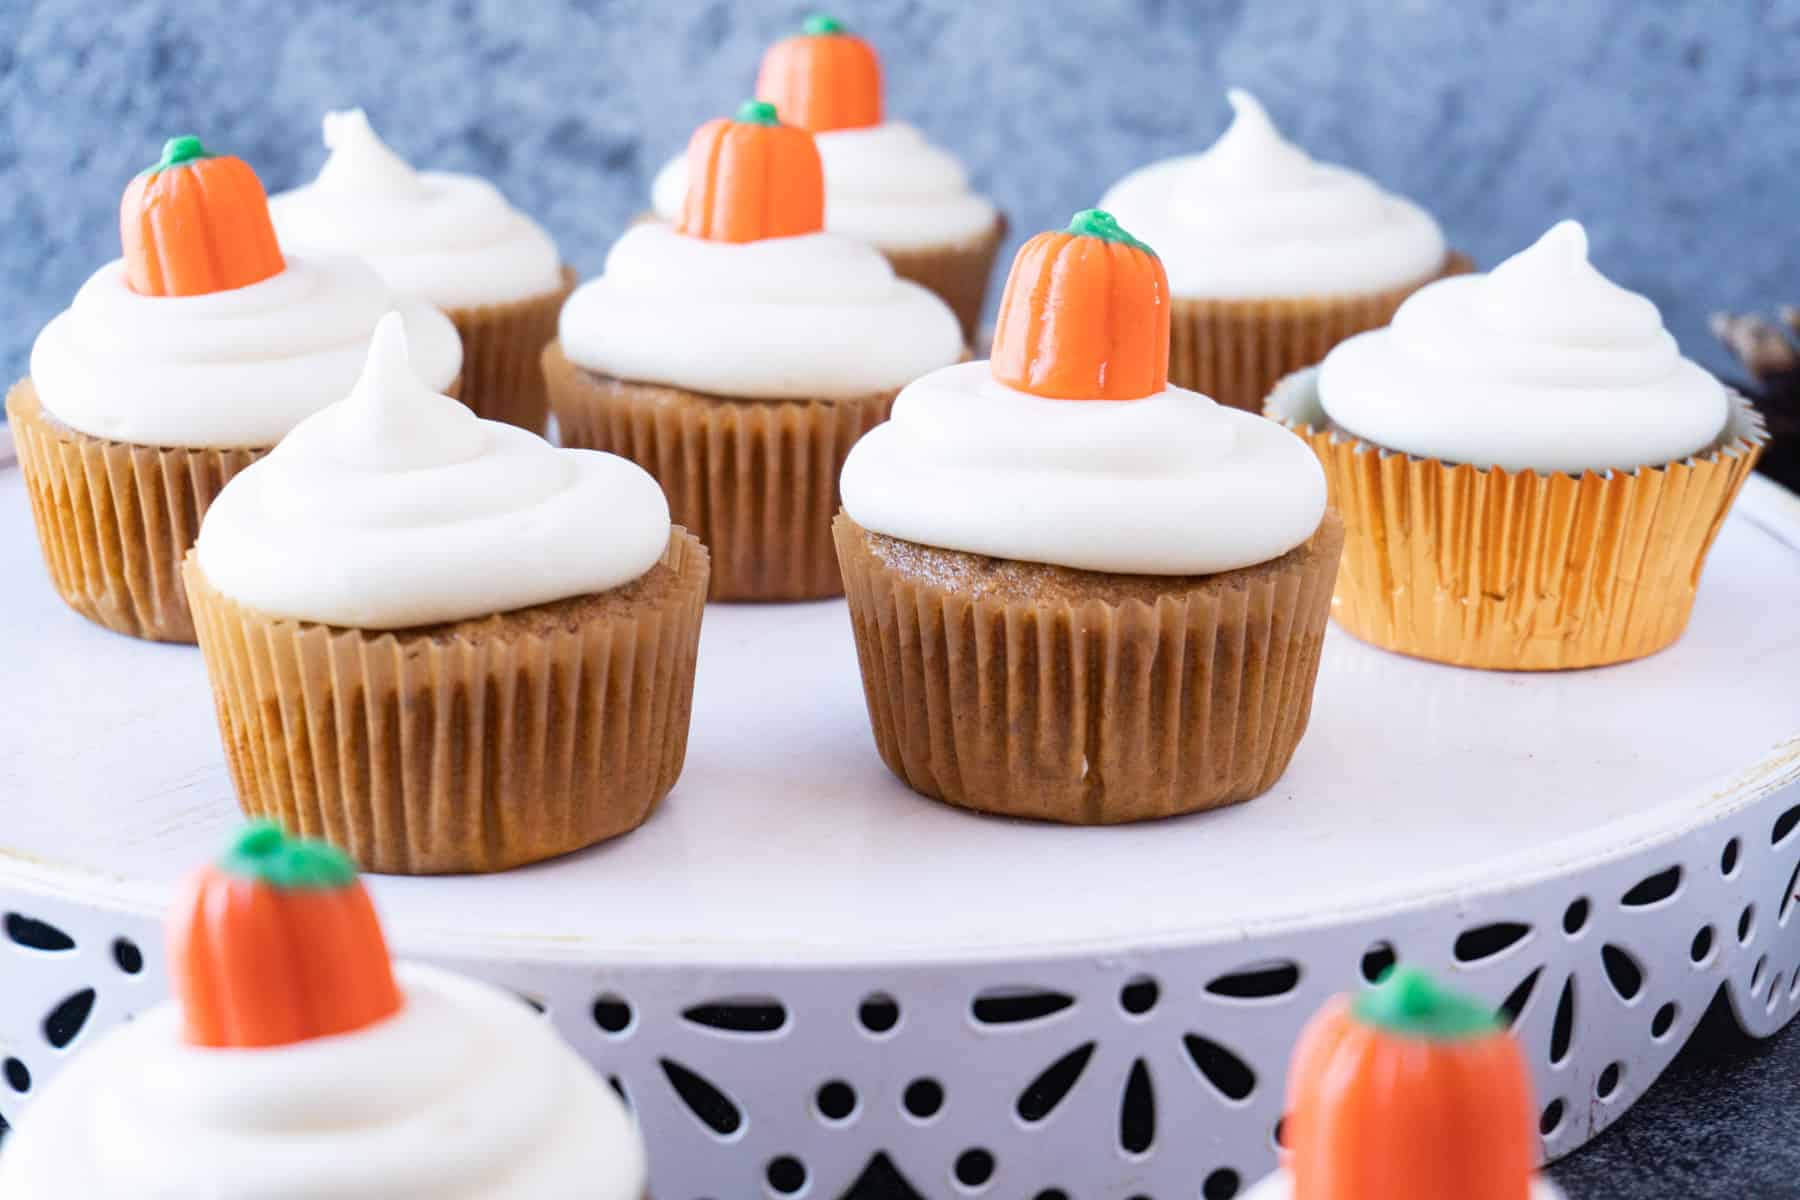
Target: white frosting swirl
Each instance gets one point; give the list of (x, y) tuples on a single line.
[(1173, 484), (1255, 217), (1279, 1185), (816, 315), (233, 368), (450, 240), (884, 184), (464, 1094), (400, 507), (1543, 364)]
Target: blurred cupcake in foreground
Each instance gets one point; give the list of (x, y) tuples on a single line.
[(1407, 1092), (298, 1060), (739, 353), (1530, 473), (450, 240), (884, 183), (441, 642), (177, 366), (1078, 593), (1273, 258)]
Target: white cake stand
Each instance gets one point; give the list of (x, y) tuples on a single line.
[(798, 967)]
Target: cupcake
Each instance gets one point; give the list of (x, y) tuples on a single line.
[(1078, 593), (739, 353), (175, 368), (448, 240), (1530, 473), (884, 183), (1273, 258), (297, 1060), (1407, 1092), (441, 642)]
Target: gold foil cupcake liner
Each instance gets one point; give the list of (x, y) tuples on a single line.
[(475, 746), (1237, 350), (503, 347), (957, 273), (756, 480), (1089, 704), (1519, 570)]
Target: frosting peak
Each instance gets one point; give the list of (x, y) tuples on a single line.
[(392, 418), (360, 162), (1551, 290), (1251, 153)]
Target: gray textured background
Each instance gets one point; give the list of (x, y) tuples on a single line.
[(1669, 127)]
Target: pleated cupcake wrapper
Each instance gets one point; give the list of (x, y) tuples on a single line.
[(958, 273), (1519, 570), (757, 481), (1237, 350), (477, 749), (503, 346), (1093, 712)]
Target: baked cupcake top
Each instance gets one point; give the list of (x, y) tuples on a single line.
[(298, 1061), (206, 334), (398, 507), (449, 239), (1255, 217), (745, 295), (885, 184), (1071, 448), (1541, 364)]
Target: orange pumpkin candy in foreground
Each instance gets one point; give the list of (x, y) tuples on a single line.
[(277, 943), (826, 78), (1409, 1092), (196, 223), (752, 178), (1085, 315)]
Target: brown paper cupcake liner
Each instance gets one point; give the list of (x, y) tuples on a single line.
[(473, 746), (1237, 350), (503, 345), (1519, 570), (1092, 699), (756, 480), (957, 273)]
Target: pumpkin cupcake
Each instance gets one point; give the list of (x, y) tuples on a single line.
[(175, 368), (884, 183), (1081, 594), (446, 239), (441, 642), (739, 353), (1407, 1092), (298, 1060), (1273, 258), (1530, 473)]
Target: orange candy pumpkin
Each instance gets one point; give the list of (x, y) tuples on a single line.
[(196, 223), (1410, 1092), (752, 178), (825, 78), (277, 943), (1085, 315)]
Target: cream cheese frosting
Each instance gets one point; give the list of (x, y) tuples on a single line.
[(884, 184), (399, 507), (464, 1094), (1171, 484), (1541, 364), (1279, 1185), (449, 239), (224, 369), (1255, 217), (814, 315)]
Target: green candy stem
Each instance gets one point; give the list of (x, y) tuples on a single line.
[(263, 853), (180, 150), (757, 112), (1098, 223), (1412, 1004), (821, 25)]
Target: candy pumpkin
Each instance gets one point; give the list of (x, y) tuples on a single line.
[(196, 223), (825, 78), (277, 943), (752, 178), (1085, 315), (1410, 1092)]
